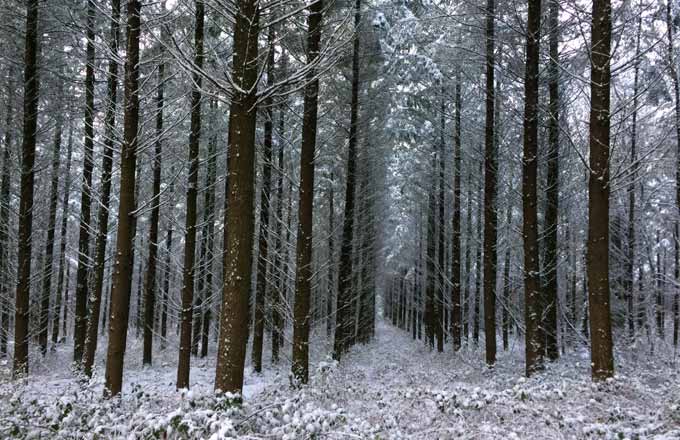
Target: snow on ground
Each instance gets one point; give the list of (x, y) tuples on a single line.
[(393, 388)]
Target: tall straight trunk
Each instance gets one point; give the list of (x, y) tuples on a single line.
[(456, 324), (602, 361), (430, 313), (479, 278), (167, 273), (441, 271), (535, 339), (630, 266), (279, 264), (303, 276), (82, 292), (343, 300), (184, 362), (468, 261), (552, 191), (152, 262), (331, 257), (5, 187), (676, 95), (263, 259), (490, 219), (507, 301), (61, 290), (239, 218), (103, 215), (122, 278), (51, 226), (31, 97), (658, 282), (208, 232)]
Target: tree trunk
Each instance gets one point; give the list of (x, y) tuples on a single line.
[(456, 324), (103, 215), (441, 271), (82, 293), (533, 307), (31, 97), (303, 276), (167, 273), (331, 257), (122, 278), (343, 301), (263, 258), (507, 300), (468, 260), (490, 219), (5, 187), (51, 226), (150, 282), (184, 362), (430, 312), (602, 361), (239, 218), (552, 192)]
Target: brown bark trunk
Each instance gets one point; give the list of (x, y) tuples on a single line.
[(490, 219), (82, 288), (239, 218), (602, 361), (263, 258), (122, 278), (51, 226), (103, 215), (533, 307), (552, 191), (31, 97), (456, 321), (343, 301), (507, 300), (184, 362), (303, 276)]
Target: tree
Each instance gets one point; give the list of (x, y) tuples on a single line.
[(82, 288), (122, 278), (31, 97), (456, 318), (602, 361), (490, 219), (103, 215), (184, 362), (303, 276), (535, 345), (238, 220)]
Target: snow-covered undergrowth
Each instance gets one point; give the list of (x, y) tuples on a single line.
[(393, 388)]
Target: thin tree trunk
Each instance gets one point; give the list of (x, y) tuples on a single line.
[(184, 362), (552, 192), (263, 258), (279, 264), (343, 301), (533, 307), (468, 261), (122, 278), (430, 313), (5, 187), (507, 300), (103, 215), (82, 288), (166, 283), (239, 218), (456, 324), (441, 271), (602, 361), (303, 276), (331, 257), (152, 262), (51, 226), (31, 97)]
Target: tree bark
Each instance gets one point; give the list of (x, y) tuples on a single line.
[(456, 321), (184, 362), (103, 215), (82, 288), (239, 218), (122, 278), (343, 300), (602, 361), (303, 276), (31, 97)]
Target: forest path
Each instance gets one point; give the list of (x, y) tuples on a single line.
[(397, 388)]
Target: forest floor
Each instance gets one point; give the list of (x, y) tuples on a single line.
[(392, 388)]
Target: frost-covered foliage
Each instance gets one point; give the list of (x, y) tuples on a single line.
[(394, 388)]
